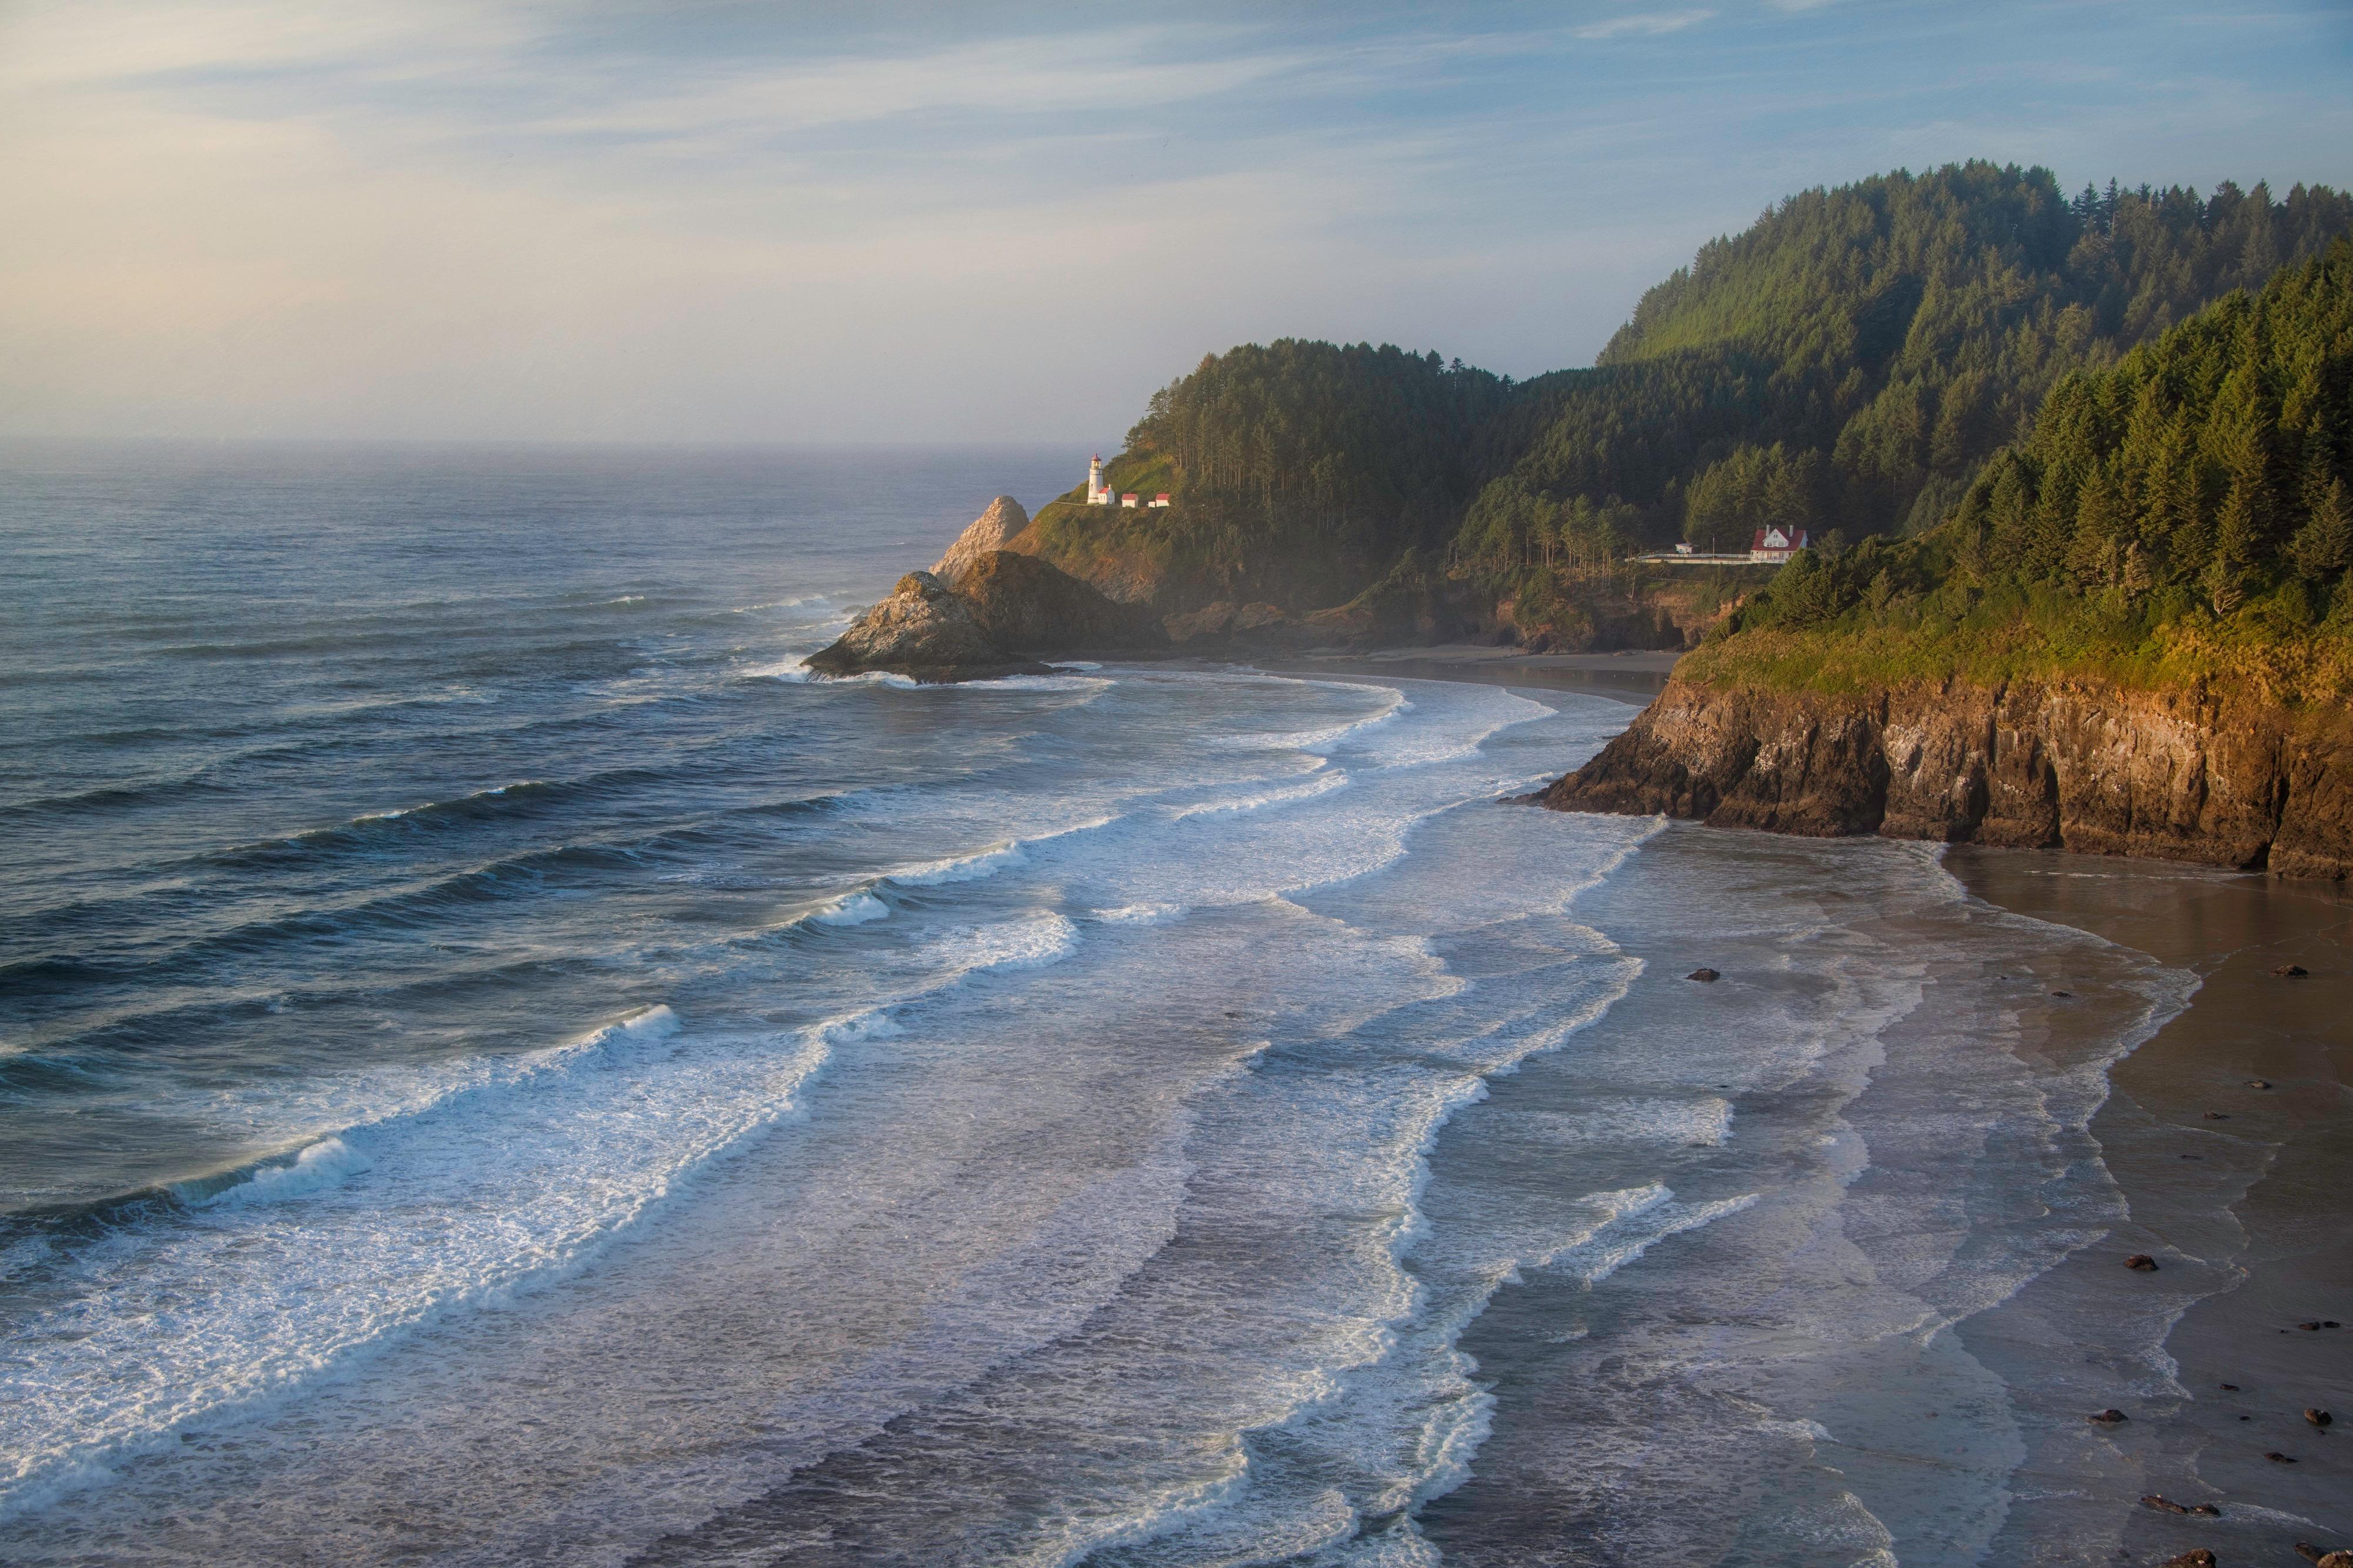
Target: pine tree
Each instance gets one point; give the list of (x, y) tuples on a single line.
[(2236, 541), (2323, 547)]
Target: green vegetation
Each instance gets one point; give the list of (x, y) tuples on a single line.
[(1298, 469), (1847, 365), (2185, 516), (1868, 347)]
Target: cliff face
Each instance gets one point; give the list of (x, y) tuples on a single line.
[(2074, 764)]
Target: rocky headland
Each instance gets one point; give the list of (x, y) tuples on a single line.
[(2073, 764), (985, 612)]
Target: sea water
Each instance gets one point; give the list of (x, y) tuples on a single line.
[(497, 1065)]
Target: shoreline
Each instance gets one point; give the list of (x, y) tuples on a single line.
[(1632, 676), (2243, 1194)]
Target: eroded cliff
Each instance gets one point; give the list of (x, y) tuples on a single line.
[(2078, 765)]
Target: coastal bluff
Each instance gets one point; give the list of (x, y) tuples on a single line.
[(2073, 764)]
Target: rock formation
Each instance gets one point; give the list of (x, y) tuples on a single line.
[(1023, 604), (998, 612), (2076, 765), (923, 630), (992, 530)]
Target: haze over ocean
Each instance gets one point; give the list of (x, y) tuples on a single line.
[(498, 1067)]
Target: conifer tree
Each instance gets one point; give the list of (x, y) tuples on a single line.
[(2323, 547)]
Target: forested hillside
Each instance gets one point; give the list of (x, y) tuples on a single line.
[(1299, 468), (2182, 516), (1847, 362), (1845, 366)]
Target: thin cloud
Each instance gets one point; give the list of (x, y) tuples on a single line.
[(410, 218), (1646, 24)]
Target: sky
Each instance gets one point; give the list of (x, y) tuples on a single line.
[(878, 222)]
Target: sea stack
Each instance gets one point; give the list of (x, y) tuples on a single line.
[(992, 530)]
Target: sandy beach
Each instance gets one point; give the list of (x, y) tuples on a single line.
[(2226, 1135)]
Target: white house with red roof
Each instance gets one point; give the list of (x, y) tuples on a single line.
[(1775, 543)]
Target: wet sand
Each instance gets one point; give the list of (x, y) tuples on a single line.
[(2242, 1195)]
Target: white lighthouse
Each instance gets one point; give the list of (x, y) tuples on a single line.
[(1097, 493)]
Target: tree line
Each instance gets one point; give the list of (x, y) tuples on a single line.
[(2205, 479), (1848, 365)]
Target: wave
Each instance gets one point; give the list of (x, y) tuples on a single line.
[(326, 1163), (109, 796), (792, 668), (1394, 705), (1075, 682), (792, 604), (1322, 782), (850, 909), (794, 671), (1140, 914), (447, 808), (525, 1167), (506, 1174), (1638, 1219), (960, 868)]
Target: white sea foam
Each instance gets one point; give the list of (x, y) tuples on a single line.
[(1391, 703), (1639, 1219), (491, 794), (1323, 783), (794, 671), (959, 868), (851, 909), (326, 1163), (1141, 914), (792, 604), (1080, 682)]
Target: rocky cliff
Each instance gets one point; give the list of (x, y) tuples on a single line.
[(997, 616), (2078, 765), (925, 631)]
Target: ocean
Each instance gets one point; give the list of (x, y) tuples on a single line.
[(496, 1066)]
